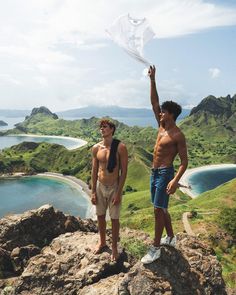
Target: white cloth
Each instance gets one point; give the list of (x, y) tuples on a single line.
[(131, 34)]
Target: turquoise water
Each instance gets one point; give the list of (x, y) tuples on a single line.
[(209, 179), (11, 122), (69, 143), (19, 195)]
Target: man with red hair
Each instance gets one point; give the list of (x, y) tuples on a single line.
[(109, 169)]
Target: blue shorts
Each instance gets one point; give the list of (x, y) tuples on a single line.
[(160, 178)]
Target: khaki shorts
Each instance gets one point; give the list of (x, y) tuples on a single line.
[(104, 200)]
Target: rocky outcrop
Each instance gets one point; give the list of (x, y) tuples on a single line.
[(217, 106), (65, 262), (38, 227), (37, 115), (42, 110)]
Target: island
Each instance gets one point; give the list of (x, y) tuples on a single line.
[(2, 123)]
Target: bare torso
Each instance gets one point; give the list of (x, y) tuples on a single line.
[(104, 176), (165, 148)]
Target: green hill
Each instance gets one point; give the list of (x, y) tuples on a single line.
[(88, 129), (210, 130), (33, 157), (213, 119)]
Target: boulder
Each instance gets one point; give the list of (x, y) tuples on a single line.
[(38, 227), (64, 263), (6, 265)]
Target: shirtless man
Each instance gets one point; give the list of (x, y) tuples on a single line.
[(107, 183), (170, 142)]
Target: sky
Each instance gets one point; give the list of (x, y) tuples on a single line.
[(57, 53)]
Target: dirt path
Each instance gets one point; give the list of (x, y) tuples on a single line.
[(186, 224)]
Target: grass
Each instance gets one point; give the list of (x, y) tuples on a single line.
[(134, 246), (137, 213)]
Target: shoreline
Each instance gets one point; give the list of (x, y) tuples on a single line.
[(71, 180), (77, 183), (80, 142), (189, 172)]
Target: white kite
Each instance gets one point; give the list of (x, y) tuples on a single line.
[(131, 34)]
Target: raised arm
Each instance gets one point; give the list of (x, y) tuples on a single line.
[(153, 94)]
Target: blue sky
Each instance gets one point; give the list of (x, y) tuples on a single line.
[(56, 53)]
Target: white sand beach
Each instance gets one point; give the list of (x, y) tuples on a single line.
[(80, 185), (78, 142), (189, 172)]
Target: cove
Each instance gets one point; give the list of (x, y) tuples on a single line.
[(206, 178), (18, 195), (68, 142)]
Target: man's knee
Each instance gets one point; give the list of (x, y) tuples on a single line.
[(160, 211), (102, 217)]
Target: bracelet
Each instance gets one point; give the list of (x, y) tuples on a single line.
[(153, 80)]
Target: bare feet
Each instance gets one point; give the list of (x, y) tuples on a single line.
[(114, 255), (99, 249)]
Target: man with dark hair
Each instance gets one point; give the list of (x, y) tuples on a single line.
[(170, 142), (172, 107), (109, 169)]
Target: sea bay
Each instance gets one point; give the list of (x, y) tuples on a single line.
[(207, 178), (20, 194)]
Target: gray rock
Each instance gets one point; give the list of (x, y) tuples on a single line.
[(6, 265), (38, 227), (53, 254), (189, 269), (67, 265), (20, 256)]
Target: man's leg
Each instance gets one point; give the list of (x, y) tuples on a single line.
[(102, 233), (168, 225), (115, 237), (159, 225)]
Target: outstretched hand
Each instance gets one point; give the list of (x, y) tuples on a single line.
[(152, 72)]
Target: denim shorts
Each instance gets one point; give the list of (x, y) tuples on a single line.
[(160, 178)]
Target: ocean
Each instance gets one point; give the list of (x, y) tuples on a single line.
[(21, 194), (209, 179)]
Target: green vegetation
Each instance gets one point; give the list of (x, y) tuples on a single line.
[(213, 218), (227, 220), (210, 132), (134, 246)]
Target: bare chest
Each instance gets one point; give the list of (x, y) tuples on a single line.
[(103, 155), (164, 140)]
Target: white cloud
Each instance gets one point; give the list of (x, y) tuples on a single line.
[(43, 42), (214, 73), (128, 92), (6, 78), (131, 92)]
